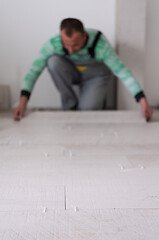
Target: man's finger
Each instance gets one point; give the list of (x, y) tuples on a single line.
[(17, 115), (148, 115)]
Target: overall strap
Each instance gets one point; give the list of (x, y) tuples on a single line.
[(65, 51), (91, 49)]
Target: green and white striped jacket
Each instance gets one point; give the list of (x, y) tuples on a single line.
[(103, 53)]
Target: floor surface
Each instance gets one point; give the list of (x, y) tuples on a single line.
[(79, 176)]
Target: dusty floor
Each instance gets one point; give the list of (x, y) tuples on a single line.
[(79, 176)]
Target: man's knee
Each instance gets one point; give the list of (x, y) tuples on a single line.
[(54, 62), (91, 106)]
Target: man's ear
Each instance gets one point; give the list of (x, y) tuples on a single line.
[(85, 35)]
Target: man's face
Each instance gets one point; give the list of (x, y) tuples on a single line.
[(73, 43)]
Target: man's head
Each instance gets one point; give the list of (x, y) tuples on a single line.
[(73, 34)]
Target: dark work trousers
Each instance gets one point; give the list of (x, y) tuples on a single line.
[(92, 79)]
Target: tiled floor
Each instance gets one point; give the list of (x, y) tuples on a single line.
[(79, 176)]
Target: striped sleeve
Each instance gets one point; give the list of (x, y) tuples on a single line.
[(106, 53), (37, 67)]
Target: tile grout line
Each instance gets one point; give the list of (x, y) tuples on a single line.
[(65, 198)]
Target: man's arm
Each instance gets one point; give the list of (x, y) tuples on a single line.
[(111, 59), (30, 79), (146, 110), (37, 67), (19, 111)]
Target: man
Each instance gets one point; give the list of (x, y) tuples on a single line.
[(84, 57)]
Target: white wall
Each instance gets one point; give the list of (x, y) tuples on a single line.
[(152, 52), (131, 25), (138, 46), (26, 24)]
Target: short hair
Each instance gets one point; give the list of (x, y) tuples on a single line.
[(71, 25)]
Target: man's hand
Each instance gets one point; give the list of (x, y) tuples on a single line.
[(146, 110), (19, 111)]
